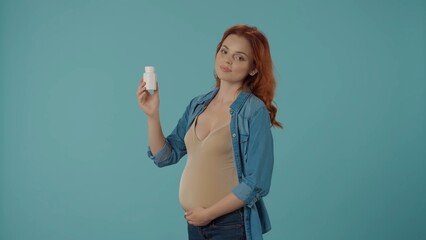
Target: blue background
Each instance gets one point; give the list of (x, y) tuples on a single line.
[(350, 163)]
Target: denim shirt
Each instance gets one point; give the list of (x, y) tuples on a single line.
[(253, 153)]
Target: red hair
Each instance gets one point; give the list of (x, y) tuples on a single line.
[(262, 84)]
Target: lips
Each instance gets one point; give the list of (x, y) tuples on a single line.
[(225, 69)]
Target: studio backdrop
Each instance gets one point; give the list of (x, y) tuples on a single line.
[(351, 94)]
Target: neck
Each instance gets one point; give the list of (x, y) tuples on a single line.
[(227, 92)]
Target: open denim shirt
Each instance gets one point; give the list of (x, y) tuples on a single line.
[(253, 152)]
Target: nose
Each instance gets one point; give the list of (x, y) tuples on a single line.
[(229, 61)]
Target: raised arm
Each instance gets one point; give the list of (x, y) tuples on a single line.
[(150, 104)]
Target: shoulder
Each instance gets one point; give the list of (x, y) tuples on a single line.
[(254, 106), (255, 102)]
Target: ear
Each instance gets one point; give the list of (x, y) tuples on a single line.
[(252, 73)]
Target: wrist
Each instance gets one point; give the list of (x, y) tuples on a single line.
[(154, 117), (210, 214)]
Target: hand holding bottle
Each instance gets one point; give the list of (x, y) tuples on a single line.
[(148, 102)]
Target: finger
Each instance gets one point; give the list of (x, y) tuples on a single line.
[(141, 86), (142, 83), (141, 90), (142, 97), (140, 94)]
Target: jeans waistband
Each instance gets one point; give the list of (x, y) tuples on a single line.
[(239, 212)]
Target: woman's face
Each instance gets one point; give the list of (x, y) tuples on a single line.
[(234, 59)]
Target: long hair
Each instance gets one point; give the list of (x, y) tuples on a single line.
[(262, 84)]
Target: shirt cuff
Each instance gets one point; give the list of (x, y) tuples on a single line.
[(246, 194), (162, 154)]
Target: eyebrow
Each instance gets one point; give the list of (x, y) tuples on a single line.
[(223, 45)]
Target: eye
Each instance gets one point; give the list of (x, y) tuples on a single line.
[(239, 58), (223, 51)]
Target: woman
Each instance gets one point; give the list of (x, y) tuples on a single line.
[(227, 135)]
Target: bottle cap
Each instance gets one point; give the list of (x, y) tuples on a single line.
[(149, 69)]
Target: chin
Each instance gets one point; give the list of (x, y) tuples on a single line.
[(228, 77), (224, 77)]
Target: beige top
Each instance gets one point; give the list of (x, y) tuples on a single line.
[(210, 173)]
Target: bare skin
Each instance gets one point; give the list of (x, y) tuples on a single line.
[(150, 104)]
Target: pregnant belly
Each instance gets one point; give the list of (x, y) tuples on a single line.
[(204, 187)]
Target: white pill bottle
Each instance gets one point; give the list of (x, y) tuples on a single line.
[(150, 78)]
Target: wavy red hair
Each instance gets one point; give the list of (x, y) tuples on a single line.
[(263, 83)]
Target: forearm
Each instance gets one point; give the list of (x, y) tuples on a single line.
[(226, 205), (155, 134)]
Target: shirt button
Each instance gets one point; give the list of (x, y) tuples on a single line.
[(231, 111), (233, 135)]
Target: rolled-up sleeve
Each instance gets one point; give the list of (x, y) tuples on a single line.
[(162, 154), (258, 166)]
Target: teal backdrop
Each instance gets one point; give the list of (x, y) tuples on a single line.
[(350, 162)]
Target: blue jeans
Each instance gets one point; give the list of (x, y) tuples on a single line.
[(227, 227)]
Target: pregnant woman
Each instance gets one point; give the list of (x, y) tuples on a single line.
[(227, 136)]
